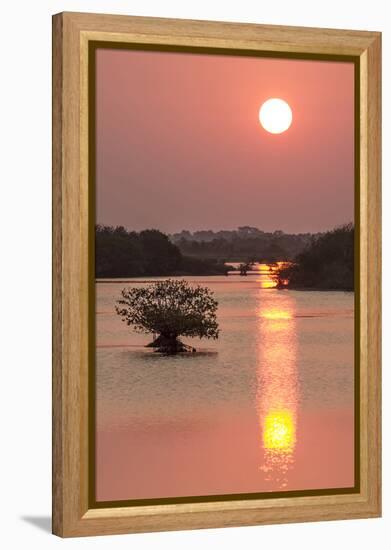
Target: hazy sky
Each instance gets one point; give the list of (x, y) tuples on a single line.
[(180, 146)]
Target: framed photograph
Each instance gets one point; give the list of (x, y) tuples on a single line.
[(216, 234)]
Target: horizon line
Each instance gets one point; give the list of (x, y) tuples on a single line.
[(193, 231)]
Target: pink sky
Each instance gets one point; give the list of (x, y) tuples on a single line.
[(179, 144)]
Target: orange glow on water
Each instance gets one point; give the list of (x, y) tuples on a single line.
[(277, 383), (275, 314), (268, 274), (266, 278), (279, 431), (268, 283)]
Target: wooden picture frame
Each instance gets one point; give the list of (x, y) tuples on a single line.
[(72, 211)]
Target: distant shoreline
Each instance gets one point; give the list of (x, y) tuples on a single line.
[(152, 278)]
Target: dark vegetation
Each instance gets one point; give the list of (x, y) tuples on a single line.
[(327, 263), (122, 253), (246, 244), (319, 261), (169, 309)]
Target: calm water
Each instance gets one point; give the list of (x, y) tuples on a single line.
[(267, 407)]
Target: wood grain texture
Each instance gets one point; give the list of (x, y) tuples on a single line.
[(57, 462), (69, 323), (219, 34), (373, 220), (71, 34)]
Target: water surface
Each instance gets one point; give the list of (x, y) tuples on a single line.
[(269, 406)]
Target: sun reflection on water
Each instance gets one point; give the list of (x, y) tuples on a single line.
[(276, 314), (279, 431), (267, 273), (277, 388)]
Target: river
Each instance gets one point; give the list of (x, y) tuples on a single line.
[(269, 406)]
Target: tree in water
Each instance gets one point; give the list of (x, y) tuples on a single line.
[(170, 309)]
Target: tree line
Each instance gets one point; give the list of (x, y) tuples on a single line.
[(324, 261), (123, 253), (242, 245), (327, 263)]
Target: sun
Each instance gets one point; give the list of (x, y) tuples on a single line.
[(275, 115)]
